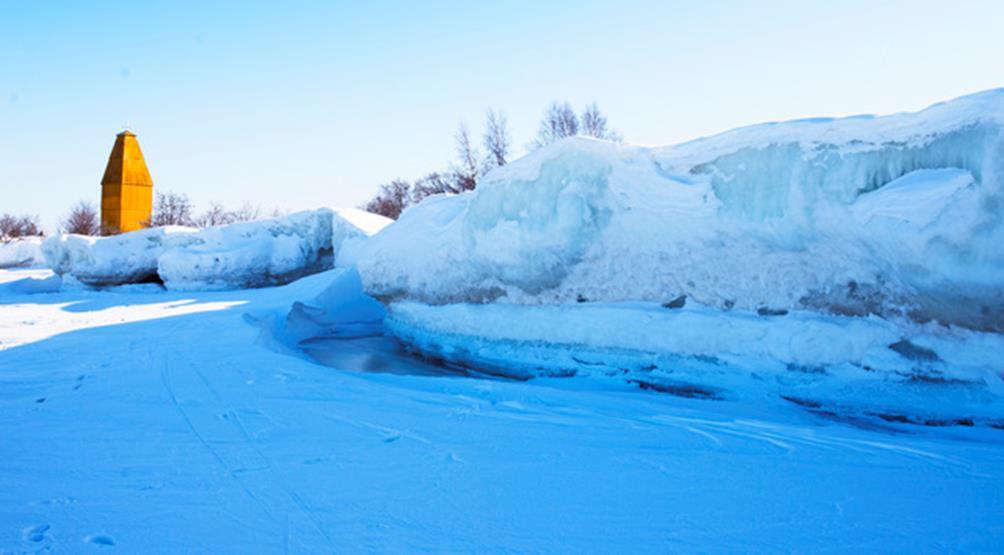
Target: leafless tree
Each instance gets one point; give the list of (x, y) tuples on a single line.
[(496, 140), (10, 228), (171, 209), (594, 124), (14, 227), (434, 184), (392, 199), (467, 170), (83, 220), (559, 122), (215, 215), (218, 215), (246, 213)]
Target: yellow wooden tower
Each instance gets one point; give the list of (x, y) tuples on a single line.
[(126, 188)]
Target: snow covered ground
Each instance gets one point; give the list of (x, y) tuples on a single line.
[(785, 337), (155, 421)]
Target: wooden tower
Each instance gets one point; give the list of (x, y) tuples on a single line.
[(126, 188)]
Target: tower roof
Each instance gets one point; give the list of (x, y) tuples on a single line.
[(126, 165)]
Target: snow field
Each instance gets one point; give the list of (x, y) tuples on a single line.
[(184, 430)]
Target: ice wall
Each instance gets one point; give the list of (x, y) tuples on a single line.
[(248, 254), (22, 252), (898, 216), (115, 260)]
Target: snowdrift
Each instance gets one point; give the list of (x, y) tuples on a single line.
[(249, 254), (898, 216), (115, 260), (21, 253)]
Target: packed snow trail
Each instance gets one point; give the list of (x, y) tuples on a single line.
[(157, 422)]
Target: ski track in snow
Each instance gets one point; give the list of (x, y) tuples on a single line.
[(164, 427)]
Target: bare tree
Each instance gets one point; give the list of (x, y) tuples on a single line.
[(496, 140), (467, 170), (435, 183), (392, 199), (14, 227), (82, 220), (218, 215), (594, 124), (10, 228), (559, 122), (246, 213), (215, 215), (171, 209)]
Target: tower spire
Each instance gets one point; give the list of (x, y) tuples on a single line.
[(126, 188)]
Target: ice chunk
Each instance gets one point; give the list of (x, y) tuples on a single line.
[(265, 252), (115, 260), (250, 254), (21, 253), (896, 215)]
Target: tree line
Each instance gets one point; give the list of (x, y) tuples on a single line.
[(168, 209), (558, 122), (15, 227), (176, 209)]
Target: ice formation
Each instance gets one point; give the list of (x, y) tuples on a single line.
[(115, 260), (248, 254), (898, 216), (855, 365), (21, 253)]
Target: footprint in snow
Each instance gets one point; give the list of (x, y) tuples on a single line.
[(36, 534), (100, 539)]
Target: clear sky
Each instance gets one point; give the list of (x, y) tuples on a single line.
[(302, 104)]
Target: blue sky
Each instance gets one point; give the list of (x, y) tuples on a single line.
[(302, 104)]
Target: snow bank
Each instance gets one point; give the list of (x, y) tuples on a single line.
[(351, 228), (21, 253), (895, 215), (857, 365), (115, 260), (265, 252), (248, 254)]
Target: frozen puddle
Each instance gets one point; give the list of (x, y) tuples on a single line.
[(380, 354)]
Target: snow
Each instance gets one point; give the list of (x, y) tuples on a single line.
[(785, 337), (859, 366), (248, 254), (23, 252), (357, 222), (115, 260), (891, 215), (160, 421)]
